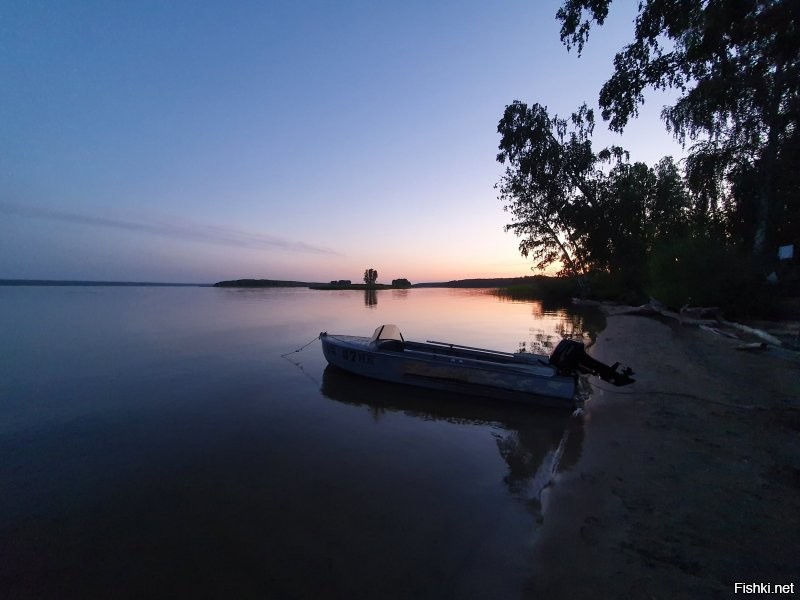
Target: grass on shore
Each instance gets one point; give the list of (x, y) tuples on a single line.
[(742, 297), (542, 287)]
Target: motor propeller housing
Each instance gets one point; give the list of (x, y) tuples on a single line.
[(570, 356)]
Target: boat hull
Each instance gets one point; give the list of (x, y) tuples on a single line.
[(527, 381)]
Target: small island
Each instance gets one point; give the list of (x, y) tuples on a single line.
[(262, 283), (335, 285), (370, 283)]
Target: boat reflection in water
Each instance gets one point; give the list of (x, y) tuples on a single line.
[(534, 443)]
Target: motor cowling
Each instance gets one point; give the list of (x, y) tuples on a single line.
[(570, 356)]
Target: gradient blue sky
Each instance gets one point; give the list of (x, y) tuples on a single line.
[(199, 141)]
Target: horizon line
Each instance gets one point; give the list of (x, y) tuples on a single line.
[(100, 282)]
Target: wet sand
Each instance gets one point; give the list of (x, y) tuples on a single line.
[(689, 480)]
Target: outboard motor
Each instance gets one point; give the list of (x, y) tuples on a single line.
[(570, 356)]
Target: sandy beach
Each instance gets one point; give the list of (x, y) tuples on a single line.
[(689, 480)]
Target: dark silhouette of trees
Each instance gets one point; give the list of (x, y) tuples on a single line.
[(591, 211), (370, 297), (736, 64), (708, 230), (370, 276), (548, 182), (401, 283)]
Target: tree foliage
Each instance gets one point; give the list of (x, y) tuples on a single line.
[(593, 211), (736, 64), (548, 181), (370, 276)]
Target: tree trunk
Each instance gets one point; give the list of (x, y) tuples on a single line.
[(767, 168), (765, 194)]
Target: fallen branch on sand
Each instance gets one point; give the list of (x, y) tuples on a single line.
[(719, 332), (752, 346), (707, 318), (770, 339)]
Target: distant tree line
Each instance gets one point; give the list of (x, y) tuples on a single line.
[(710, 228)]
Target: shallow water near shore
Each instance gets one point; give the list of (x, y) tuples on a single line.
[(154, 442)]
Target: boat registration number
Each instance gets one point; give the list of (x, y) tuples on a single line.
[(356, 356)]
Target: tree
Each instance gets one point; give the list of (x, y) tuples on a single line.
[(370, 277), (401, 283), (737, 66), (548, 182), (595, 212)]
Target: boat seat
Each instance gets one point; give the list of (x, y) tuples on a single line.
[(391, 345)]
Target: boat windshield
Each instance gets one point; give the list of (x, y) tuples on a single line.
[(387, 332)]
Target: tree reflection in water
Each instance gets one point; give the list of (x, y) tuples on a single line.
[(575, 323), (370, 298)]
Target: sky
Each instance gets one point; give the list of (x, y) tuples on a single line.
[(305, 140)]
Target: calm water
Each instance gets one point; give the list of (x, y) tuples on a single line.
[(154, 443)]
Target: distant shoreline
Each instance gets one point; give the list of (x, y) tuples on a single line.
[(497, 282), (262, 283), (456, 283), (66, 282)]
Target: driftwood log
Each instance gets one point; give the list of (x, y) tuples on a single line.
[(752, 346), (717, 331), (708, 318)]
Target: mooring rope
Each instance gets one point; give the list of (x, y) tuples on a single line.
[(298, 364), (303, 347)]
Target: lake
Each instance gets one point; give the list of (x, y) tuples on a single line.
[(155, 443)]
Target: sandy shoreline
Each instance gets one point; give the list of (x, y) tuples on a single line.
[(689, 480)]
